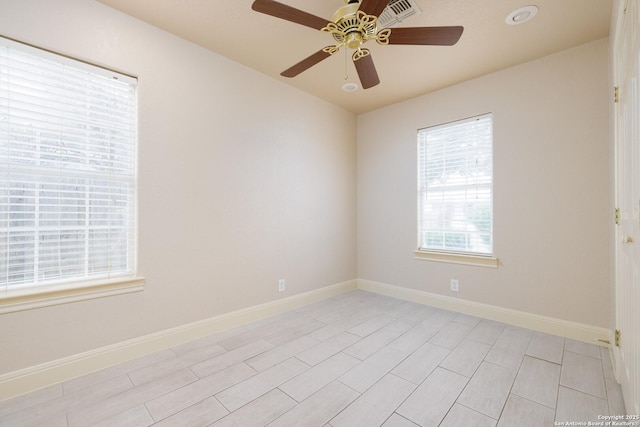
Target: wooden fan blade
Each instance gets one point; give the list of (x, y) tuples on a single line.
[(373, 7), (366, 71), (289, 13), (440, 36), (305, 64)]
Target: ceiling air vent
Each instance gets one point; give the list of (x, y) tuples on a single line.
[(397, 11)]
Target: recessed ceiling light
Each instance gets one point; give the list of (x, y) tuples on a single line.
[(522, 15), (349, 87)]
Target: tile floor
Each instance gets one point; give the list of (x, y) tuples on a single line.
[(359, 359)]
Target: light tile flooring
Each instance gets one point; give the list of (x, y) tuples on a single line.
[(359, 359)]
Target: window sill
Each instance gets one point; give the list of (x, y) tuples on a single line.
[(453, 258), (28, 299)]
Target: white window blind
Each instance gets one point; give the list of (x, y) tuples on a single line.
[(455, 173), (67, 170)]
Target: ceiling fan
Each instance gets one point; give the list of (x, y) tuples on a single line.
[(352, 25)]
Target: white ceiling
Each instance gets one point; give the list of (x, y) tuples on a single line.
[(271, 45)]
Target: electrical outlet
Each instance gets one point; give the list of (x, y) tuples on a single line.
[(454, 285), (281, 285)]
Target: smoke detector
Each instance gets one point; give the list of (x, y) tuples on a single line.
[(522, 15)]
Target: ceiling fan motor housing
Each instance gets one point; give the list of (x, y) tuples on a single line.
[(351, 30)]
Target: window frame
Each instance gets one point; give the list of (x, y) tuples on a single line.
[(448, 255), (80, 287)]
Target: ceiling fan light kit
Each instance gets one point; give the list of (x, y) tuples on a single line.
[(351, 26)]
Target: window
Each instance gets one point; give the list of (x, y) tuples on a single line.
[(67, 171), (455, 201)]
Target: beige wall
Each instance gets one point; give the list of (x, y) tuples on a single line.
[(551, 190), (241, 183)]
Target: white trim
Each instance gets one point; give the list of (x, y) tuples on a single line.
[(550, 325), (49, 373), (454, 258), (45, 296)]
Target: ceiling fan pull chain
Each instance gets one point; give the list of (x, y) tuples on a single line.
[(346, 72)]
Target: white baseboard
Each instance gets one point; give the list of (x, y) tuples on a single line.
[(36, 377), (550, 325), (46, 374)]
